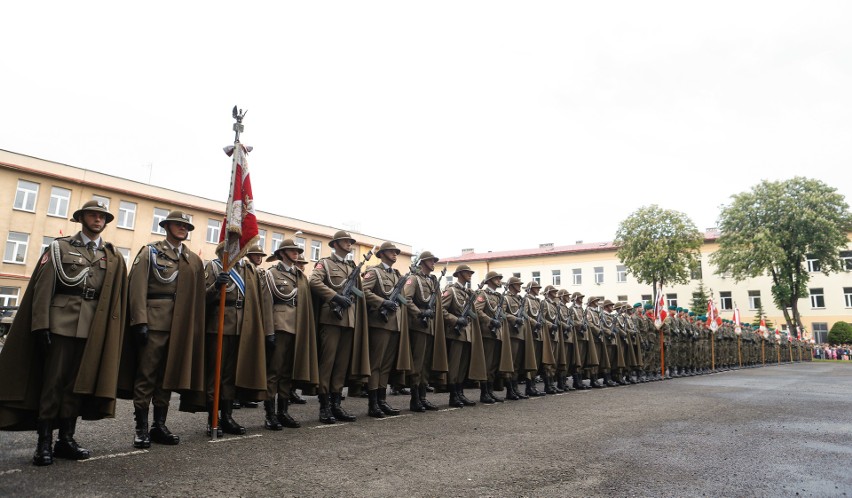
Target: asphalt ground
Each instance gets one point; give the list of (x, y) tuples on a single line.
[(775, 431)]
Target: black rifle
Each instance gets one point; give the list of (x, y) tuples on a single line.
[(539, 321), (351, 285), (569, 323), (521, 315), (396, 294), (499, 314), (468, 308), (433, 299)]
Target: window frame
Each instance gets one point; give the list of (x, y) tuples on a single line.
[(556, 277), (536, 277), (60, 199), (276, 241), (123, 212), (156, 219), (6, 297), (316, 250), (812, 264), (671, 299), (817, 298), (599, 274), (754, 300), (26, 195), (17, 244), (621, 274), (576, 276), (213, 226), (847, 296), (726, 302)]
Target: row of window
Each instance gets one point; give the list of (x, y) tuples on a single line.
[(814, 266), (577, 275), (60, 198)]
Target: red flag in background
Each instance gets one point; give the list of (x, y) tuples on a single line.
[(240, 225), (659, 307)]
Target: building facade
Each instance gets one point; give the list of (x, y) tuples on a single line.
[(594, 269), (39, 197)]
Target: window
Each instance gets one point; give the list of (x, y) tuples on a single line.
[(301, 243), (449, 280), (753, 300), (16, 247), (820, 330), (813, 264), (59, 200), (599, 276), (536, 277), (557, 277), (159, 215), (9, 296), (817, 297), (847, 296), (126, 214), (102, 199), (671, 300), (725, 301), (125, 253), (315, 250), (695, 272), (846, 260), (350, 256), (45, 241), (277, 239), (577, 276), (213, 228), (646, 298), (25, 197), (620, 273), (261, 239), (623, 299)]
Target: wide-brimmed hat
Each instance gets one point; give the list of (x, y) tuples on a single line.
[(563, 292), (607, 302), (285, 244), (492, 274), (177, 217), (301, 260), (340, 235), (532, 284), (388, 246), (549, 289), (93, 205), (514, 280), (255, 249), (593, 299), (425, 255), (461, 268), (577, 295)]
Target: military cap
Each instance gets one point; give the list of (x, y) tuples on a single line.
[(461, 268), (301, 260), (515, 280), (685, 310), (673, 308), (679, 309), (388, 246), (593, 299), (607, 302), (637, 305), (341, 235), (177, 216), (691, 313), (285, 244), (492, 274), (426, 255), (533, 285), (563, 292), (255, 249), (95, 206), (648, 306), (549, 289), (577, 295)]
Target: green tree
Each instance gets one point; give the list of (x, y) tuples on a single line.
[(773, 227), (699, 299), (840, 333), (658, 246), (761, 313)]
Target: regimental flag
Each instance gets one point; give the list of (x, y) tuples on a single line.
[(659, 307), (777, 334), (713, 318), (763, 328), (798, 332), (737, 328), (239, 229)]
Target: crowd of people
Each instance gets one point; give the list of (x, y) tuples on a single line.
[(829, 352), (88, 333)]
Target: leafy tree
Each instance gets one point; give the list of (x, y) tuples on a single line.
[(699, 299), (761, 313), (773, 227), (840, 333), (658, 245)]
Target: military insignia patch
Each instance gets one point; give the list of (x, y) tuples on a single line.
[(369, 275), (318, 266), (136, 260), (446, 293), (409, 281), (206, 274), (479, 299), (45, 258)]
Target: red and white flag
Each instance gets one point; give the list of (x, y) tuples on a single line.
[(737, 328), (763, 328), (239, 229), (713, 318), (659, 307)]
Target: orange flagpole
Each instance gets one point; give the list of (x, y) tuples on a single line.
[(214, 425), (740, 351), (763, 351), (712, 350)]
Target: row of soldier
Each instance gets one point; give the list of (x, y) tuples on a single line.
[(87, 333)]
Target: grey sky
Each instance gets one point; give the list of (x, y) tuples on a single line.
[(508, 124)]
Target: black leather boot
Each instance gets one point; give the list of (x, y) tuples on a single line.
[(373, 404), (338, 411), (325, 415), (578, 382), (560, 384), (517, 391), (228, 424), (381, 398), (296, 399), (608, 380), (531, 389), (271, 421), (422, 389), (65, 446), (210, 422), (414, 404), (44, 448), (141, 439), (484, 398), (159, 433), (284, 417), (462, 397), (491, 392), (510, 391), (548, 385), (455, 400)]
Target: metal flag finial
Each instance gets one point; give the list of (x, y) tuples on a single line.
[(238, 114)]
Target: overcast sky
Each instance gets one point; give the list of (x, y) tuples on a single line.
[(445, 125)]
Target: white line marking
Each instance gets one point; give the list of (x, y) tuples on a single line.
[(326, 426), (115, 455), (448, 409), (391, 417), (10, 471), (221, 440)]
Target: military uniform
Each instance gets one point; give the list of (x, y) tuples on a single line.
[(584, 343), (520, 339), (62, 352), (464, 342), (573, 362), (495, 338), (593, 322)]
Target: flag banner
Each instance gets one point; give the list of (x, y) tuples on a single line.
[(737, 328), (659, 307), (239, 229), (713, 318), (763, 328)]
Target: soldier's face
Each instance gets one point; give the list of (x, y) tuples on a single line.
[(428, 264), (94, 221), (256, 259), (498, 282), (465, 276), (291, 255), (178, 231), (534, 291), (516, 288), (388, 257), (344, 245)]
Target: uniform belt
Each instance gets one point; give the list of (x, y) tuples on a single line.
[(234, 304), (88, 293), (169, 296), (291, 301)]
